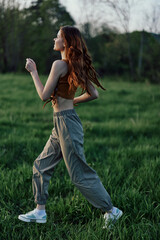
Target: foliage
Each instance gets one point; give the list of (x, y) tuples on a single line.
[(29, 32), (110, 55)]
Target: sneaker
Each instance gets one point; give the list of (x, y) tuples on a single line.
[(111, 218), (33, 216)]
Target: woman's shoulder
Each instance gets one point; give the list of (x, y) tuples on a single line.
[(60, 63), (62, 66)]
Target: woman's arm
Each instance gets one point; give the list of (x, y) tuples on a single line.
[(86, 97), (44, 92)]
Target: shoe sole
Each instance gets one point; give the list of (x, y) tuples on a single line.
[(114, 221), (32, 220)]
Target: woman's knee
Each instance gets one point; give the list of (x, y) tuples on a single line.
[(76, 178)]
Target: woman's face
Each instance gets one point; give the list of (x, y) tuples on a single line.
[(59, 43)]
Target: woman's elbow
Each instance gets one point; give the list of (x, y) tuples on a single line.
[(44, 98), (96, 94)]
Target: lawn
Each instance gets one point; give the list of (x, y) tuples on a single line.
[(121, 142)]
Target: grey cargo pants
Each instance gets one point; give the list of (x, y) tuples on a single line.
[(66, 141)]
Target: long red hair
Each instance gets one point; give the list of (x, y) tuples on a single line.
[(79, 59), (80, 68)]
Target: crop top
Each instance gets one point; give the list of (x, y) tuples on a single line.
[(62, 89)]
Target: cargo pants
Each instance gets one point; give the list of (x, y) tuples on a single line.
[(66, 141)]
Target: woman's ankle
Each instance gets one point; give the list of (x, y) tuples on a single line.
[(109, 211), (40, 207)]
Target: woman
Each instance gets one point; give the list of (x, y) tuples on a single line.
[(66, 141)]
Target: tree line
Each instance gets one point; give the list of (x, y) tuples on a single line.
[(29, 32)]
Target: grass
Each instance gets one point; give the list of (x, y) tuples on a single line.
[(121, 142)]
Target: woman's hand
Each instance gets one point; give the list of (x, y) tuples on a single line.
[(75, 102), (30, 65)]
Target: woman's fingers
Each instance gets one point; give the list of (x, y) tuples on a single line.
[(31, 60), (30, 65)]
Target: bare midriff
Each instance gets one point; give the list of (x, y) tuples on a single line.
[(62, 104)]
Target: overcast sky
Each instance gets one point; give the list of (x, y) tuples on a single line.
[(99, 13)]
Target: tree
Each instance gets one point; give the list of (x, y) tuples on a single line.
[(29, 32), (123, 9), (152, 18), (10, 25)]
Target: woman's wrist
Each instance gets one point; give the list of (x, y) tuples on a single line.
[(34, 72), (75, 102)]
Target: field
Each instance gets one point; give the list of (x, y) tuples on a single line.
[(121, 142)]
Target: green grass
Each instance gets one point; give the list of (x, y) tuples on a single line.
[(121, 142)]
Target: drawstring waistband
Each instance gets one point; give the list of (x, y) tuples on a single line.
[(64, 112)]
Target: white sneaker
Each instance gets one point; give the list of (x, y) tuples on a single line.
[(33, 216), (111, 218)]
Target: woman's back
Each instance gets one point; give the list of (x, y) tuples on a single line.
[(61, 102)]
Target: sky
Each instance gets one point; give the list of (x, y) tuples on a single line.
[(98, 13)]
